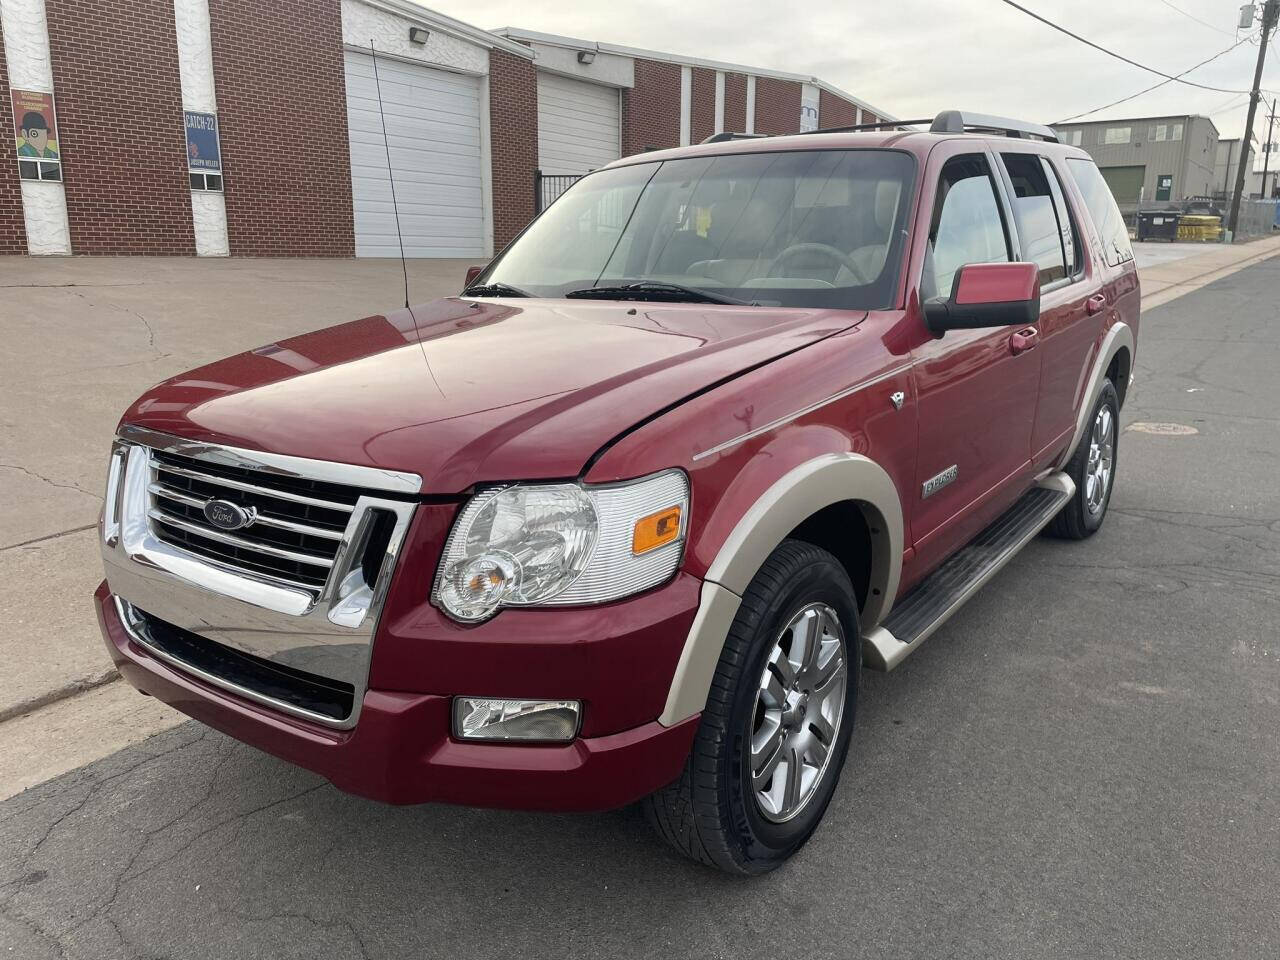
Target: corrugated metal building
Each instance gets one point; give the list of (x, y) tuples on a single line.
[(1154, 160)]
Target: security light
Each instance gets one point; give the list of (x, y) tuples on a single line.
[(586, 57), (418, 35)]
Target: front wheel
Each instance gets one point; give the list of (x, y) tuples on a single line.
[(776, 727), (1093, 468)]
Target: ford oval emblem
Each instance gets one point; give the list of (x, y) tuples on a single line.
[(226, 515)]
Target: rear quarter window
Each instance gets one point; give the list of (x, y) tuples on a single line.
[(1103, 211)]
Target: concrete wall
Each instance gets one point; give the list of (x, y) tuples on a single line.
[(29, 65), (13, 233)]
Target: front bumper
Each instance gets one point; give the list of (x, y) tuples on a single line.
[(401, 751)]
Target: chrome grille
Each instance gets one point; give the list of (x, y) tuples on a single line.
[(298, 523), (281, 611)]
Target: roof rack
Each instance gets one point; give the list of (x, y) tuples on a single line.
[(957, 121), (948, 121), (854, 128)]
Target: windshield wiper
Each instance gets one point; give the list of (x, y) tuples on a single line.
[(495, 290), (656, 289)]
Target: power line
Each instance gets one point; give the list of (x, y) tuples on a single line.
[(1156, 86), (1190, 16), (1112, 53), (1231, 106)]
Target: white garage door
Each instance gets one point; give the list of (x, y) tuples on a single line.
[(433, 126), (577, 124)]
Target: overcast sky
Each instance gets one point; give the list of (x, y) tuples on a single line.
[(912, 58)]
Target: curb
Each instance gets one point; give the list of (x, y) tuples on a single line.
[(1192, 283), (33, 704)]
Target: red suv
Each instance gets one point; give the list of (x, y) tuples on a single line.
[(624, 519)]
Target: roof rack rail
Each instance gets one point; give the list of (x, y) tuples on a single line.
[(726, 136), (957, 121), (855, 127)]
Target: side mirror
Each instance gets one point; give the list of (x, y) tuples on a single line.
[(987, 295), (473, 271)]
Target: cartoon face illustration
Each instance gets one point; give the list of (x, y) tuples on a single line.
[(35, 131)]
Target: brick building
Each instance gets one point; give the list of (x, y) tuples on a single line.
[(262, 127)]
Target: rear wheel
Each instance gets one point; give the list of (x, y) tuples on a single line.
[(776, 728), (1093, 468)]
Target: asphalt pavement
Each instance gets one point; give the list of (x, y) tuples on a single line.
[(1084, 763)]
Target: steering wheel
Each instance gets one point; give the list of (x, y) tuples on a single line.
[(839, 256)]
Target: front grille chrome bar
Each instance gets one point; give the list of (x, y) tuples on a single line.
[(252, 488), (210, 534), (160, 490)]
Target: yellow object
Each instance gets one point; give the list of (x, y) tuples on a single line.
[(1200, 227), (655, 530)]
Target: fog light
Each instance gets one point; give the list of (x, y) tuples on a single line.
[(476, 718)]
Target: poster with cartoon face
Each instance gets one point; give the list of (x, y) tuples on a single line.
[(35, 125)]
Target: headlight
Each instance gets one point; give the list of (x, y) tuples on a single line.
[(562, 543)]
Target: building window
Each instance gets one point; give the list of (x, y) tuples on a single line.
[(1166, 131), (39, 170), (1071, 137), (1117, 134), (206, 181)]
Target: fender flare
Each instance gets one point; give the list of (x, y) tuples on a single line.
[(798, 495), (1118, 337)]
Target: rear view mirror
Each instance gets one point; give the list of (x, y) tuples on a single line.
[(473, 271), (987, 295)]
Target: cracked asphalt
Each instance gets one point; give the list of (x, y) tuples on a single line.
[(1083, 763)]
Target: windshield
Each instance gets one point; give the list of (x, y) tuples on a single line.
[(806, 228)]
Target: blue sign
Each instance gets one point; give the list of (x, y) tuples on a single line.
[(203, 153)]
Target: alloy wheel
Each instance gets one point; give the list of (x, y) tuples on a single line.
[(1097, 471), (799, 707)]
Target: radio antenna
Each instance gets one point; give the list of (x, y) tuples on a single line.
[(382, 118)]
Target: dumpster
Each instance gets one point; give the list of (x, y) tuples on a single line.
[(1158, 225)]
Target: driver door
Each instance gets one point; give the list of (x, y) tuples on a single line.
[(976, 390)]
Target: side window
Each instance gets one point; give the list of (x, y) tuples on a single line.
[(1072, 249), (1044, 227), (1112, 232), (967, 226)]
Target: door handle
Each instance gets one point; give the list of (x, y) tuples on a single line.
[(1024, 340), (1096, 304)]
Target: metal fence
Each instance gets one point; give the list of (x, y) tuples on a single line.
[(548, 186), (1257, 218)]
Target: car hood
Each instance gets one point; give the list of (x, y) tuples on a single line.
[(463, 391)]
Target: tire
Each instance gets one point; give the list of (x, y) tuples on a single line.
[(713, 813), (1085, 511)]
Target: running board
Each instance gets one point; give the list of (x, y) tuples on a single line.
[(931, 602)]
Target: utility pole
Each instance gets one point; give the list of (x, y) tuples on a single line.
[(1266, 151), (1269, 12)]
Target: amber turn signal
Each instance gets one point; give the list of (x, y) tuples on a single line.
[(656, 530)]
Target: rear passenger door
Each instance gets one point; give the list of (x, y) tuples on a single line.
[(1071, 298)]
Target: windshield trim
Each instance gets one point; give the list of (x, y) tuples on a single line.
[(912, 181)]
